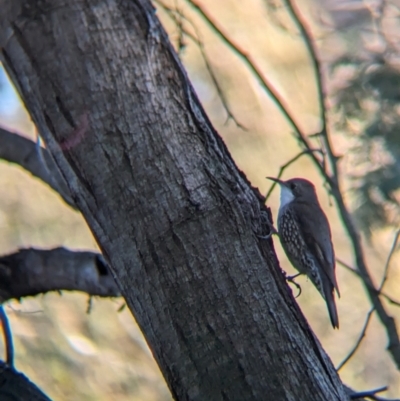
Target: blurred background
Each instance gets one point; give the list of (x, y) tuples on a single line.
[(102, 355)]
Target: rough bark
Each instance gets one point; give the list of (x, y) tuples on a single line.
[(173, 215)]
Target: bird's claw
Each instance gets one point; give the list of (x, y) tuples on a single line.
[(273, 230), (290, 279), (268, 236)]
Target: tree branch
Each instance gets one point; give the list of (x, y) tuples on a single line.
[(16, 386), (30, 272), (287, 164), (35, 159), (255, 70), (371, 394), (356, 273), (358, 342), (7, 335), (388, 260)]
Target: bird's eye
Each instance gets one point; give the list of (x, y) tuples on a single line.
[(292, 186)]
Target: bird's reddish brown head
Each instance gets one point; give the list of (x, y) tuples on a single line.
[(296, 188)]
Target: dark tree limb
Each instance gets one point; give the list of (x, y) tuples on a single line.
[(30, 272), (22, 151), (14, 386), (7, 336), (173, 215)]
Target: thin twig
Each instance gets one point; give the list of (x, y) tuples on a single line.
[(355, 272), (179, 24), (224, 100), (7, 335), (358, 342), (368, 393), (384, 278), (286, 165), (177, 16), (307, 36), (372, 394), (389, 258), (390, 299), (265, 84)]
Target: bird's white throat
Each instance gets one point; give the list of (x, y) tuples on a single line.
[(286, 196)]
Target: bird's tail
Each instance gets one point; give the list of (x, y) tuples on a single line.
[(330, 303)]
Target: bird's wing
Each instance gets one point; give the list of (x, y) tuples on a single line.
[(319, 243)]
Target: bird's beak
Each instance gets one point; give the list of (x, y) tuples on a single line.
[(277, 180)]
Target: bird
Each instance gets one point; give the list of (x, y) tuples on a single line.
[(305, 235)]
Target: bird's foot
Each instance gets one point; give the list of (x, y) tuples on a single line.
[(268, 236), (290, 279), (273, 230)]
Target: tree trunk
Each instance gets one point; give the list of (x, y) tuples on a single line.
[(173, 215)]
